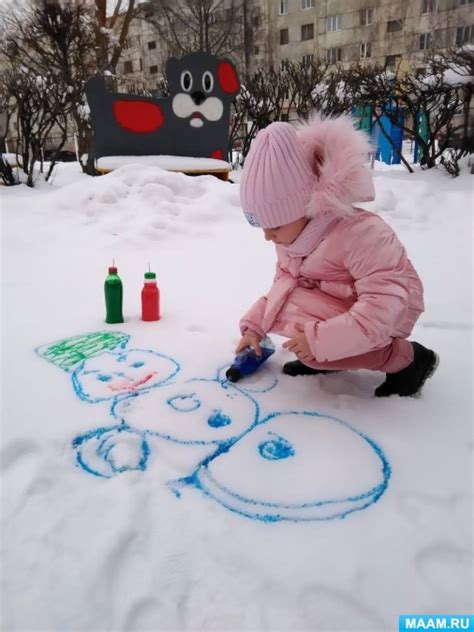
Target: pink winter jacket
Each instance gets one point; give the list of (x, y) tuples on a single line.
[(354, 293), (357, 290)]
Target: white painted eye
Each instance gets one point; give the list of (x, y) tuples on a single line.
[(186, 80), (207, 81)]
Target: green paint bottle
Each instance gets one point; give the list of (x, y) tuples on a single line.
[(113, 297)]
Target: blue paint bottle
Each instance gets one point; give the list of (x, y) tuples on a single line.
[(247, 361)]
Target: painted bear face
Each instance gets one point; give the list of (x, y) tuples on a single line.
[(200, 87)]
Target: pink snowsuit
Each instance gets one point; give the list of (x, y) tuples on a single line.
[(357, 295)]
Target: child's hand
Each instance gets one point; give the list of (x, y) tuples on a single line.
[(299, 344), (249, 340)]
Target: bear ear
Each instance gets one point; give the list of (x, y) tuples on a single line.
[(227, 77), (172, 68)]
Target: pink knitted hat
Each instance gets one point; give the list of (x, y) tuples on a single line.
[(277, 179), (316, 170)]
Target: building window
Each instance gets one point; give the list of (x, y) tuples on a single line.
[(127, 67), (425, 40), (427, 6), (307, 32), (365, 50), (333, 23), (151, 45), (284, 117), (283, 9), (333, 55), (366, 17), (140, 61), (464, 2), (394, 25), (153, 70), (307, 60), (307, 4), (256, 21), (256, 50), (284, 37), (464, 35), (391, 61)]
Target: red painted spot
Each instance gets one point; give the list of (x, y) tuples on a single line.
[(227, 77), (218, 154), (139, 117)]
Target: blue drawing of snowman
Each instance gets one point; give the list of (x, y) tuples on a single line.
[(293, 466)]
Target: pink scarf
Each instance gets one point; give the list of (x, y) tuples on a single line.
[(312, 235), (308, 240)]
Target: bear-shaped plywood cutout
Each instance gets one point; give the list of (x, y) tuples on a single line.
[(192, 121)]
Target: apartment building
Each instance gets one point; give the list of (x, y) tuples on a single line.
[(382, 31), (143, 59), (386, 32)]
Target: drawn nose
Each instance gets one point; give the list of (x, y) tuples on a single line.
[(198, 97)]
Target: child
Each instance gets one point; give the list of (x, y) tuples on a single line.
[(345, 293)]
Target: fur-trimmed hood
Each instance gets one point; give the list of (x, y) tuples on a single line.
[(337, 153)]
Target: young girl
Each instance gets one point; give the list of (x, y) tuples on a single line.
[(345, 293)]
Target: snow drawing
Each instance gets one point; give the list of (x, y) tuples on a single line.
[(112, 374), (287, 465), (69, 353)]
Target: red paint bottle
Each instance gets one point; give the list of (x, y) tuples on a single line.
[(150, 298)]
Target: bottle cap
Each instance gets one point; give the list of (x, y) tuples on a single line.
[(233, 374), (112, 270), (150, 275)]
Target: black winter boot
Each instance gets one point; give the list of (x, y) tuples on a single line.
[(296, 367), (409, 381)]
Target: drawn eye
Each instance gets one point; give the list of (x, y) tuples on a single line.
[(276, 449), (186, 80), (137, 364), (207, 81), (104, 378), (184, 403)]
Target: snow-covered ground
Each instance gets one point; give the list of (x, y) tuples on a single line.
[(279, 504)]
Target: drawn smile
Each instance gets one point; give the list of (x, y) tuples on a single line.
[(131, 386)]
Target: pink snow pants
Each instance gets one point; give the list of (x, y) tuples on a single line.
[(392, 358)]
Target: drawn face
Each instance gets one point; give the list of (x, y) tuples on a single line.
[(297, 466), (195, 412), (115, 375), (195, 99), (200, 86)]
